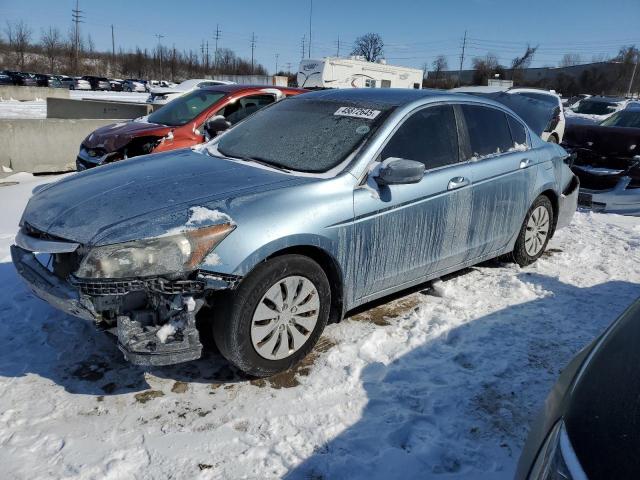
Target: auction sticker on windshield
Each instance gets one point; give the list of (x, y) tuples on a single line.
[(356, 112)]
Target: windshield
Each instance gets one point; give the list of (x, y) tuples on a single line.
[(184, 109), (303, 135), (626, 118), (596, 108)]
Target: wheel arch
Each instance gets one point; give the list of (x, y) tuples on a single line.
[(555, 203), (330, 267)]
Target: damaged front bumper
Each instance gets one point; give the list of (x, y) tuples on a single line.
[(620, 199), (154, 319)]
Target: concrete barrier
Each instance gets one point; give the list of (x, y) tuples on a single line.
[(43, 145), (67, 108), (31, 93)]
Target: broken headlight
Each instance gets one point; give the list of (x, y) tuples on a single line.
[(164, 255)]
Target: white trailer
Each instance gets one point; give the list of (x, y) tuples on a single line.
[(355, 72)]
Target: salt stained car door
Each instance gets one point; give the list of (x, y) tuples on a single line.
[(503, 175), (402, 232)]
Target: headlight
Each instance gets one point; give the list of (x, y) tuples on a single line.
[(557, 459), (156, 256)]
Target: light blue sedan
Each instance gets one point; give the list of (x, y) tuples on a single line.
[(300, 213)]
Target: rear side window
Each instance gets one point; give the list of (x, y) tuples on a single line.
[(429, 136), (518, 132), (488, 129)]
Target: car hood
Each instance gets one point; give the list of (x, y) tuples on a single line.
[(610, 141), (117, 135), (146, 196)]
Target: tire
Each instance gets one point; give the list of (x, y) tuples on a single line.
[(238, 323), (531, 244), (552, 138)]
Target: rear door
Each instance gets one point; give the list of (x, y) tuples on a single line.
[(502, 173)]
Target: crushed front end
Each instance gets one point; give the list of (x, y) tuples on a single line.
[(154, 316), (608, 183)]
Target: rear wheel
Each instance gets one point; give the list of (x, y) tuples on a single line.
[(275, 317), (535, 232)]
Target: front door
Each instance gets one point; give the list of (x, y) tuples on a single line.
[(404, 232)]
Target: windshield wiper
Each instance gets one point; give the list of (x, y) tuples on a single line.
[(247, 158)]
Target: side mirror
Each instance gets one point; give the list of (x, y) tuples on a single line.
[(215, 125), (396, 171)]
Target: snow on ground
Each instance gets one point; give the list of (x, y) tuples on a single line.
[(10, 109), (434, 384)]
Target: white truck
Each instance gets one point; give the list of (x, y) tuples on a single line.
[(355, 72)]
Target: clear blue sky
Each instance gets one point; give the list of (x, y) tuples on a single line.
[(414, 32)]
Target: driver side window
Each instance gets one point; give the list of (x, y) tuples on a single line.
[(245, 106), (429, 136)]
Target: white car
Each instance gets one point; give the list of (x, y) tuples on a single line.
[(555, 130), (131, 85), (162, 95), (80, 83)]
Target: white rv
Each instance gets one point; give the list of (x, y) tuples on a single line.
[(355, 72)]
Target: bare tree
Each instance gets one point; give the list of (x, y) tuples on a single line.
[(485, 67), (370, 46), (51, 41), (18, 35), (522, 62), (570, 59), (439, 64)]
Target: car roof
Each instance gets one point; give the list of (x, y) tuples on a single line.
[(236, 88), (605, 99), (390, 96)]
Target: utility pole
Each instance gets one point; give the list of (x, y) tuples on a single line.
[(310, 16), (464, 45), (288, 64), (113, 44), (253, 46), (338, 51), (216, 37), (633, 75), (77, 16), (277, 55), (303, 45), (160, 37)]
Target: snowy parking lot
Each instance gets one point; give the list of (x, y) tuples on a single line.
[(440, 382)]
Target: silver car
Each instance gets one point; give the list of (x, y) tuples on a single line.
[(296, 215)]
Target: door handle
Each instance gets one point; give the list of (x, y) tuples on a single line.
[(457, 182), (524, 163)]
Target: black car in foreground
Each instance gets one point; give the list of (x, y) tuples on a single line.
[(590, 425)]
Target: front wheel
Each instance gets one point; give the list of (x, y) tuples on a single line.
[(275, 317), (535, 232)]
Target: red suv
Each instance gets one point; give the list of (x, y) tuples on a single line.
[(180, 123)]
